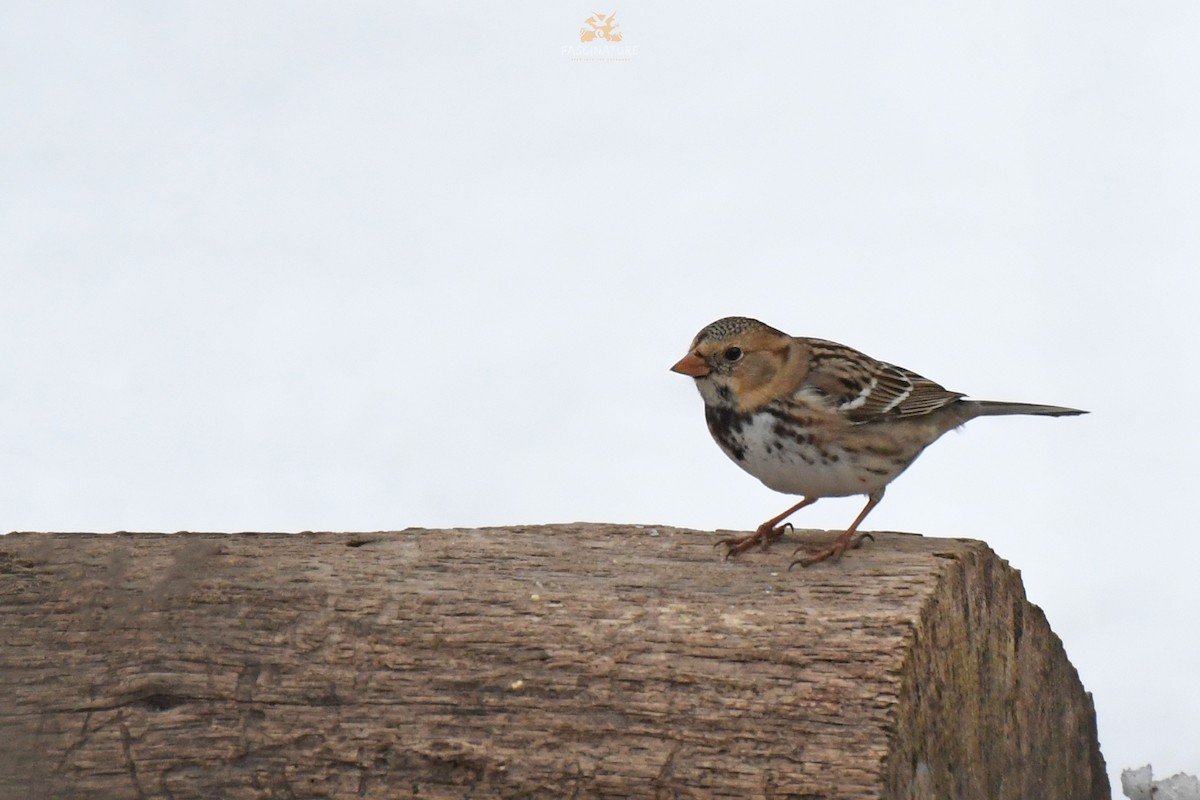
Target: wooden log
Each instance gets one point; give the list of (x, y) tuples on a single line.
[(559, 661)]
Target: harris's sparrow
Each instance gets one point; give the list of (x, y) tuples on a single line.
[(818, 419)]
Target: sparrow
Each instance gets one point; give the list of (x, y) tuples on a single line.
[(818, 419)]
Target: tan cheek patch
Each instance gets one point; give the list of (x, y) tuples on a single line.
[(770, 375), (754, 380)]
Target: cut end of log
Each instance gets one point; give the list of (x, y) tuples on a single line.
[(581, 660)]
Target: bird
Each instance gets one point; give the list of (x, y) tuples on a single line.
[(815, 418)]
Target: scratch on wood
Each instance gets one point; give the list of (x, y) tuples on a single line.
[(127, 749)]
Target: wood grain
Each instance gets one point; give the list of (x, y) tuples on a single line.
[(582, 660)]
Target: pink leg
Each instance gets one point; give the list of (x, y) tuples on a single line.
[(766, 533), (845, 541)]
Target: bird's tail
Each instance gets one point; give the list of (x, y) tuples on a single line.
[(992, 408)]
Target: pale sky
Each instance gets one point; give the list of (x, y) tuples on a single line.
[(287, 266)]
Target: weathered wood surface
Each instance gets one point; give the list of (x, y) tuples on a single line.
[(560, 661)]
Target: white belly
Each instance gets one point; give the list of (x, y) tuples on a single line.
[(811, 469)]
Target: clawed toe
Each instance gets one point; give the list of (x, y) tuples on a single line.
[(846, 541), (763, 536)]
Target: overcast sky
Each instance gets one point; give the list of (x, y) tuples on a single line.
[(286, 266)]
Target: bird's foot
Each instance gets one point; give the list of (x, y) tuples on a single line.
[(763, 536), (850, 540)]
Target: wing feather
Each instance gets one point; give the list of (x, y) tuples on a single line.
[(864, 389)]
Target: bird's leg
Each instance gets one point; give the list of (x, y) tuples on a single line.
[(766, 533), (845, 541)]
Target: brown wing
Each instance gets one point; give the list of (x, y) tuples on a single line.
[(863, 389)]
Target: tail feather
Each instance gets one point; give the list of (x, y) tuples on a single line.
[(992, 408)]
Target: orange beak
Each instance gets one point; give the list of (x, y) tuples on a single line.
[(692, 365)]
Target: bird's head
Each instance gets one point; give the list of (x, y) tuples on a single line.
[(737, 362)]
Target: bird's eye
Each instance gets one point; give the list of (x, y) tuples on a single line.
[(733, 354)]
